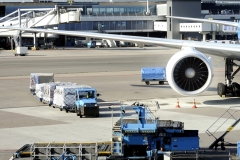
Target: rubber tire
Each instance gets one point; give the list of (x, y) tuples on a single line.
[(147, 83), (66, 110), (80, 115), (161, 82), (60, 109), (234, 94), (221, 89)]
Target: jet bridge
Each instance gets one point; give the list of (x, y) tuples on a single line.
[(37, 17)]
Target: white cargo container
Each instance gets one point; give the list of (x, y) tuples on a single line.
[(49, 88), (64, 96), (39, 91), (38, 78)]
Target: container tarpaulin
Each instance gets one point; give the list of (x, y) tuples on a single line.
[(39, 90), (49, 88), (65, 96)]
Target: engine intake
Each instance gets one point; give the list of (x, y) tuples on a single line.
[(189, 72)]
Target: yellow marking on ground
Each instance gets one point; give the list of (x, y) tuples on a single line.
[(230, 128)]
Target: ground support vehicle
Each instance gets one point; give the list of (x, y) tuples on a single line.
[(86, 102), (133, 137), (153, 74), (81, 99), (91, 44), (144, 136), (94, 44), (39, 78)]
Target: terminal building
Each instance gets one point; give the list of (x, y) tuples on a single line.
[(127, 17)]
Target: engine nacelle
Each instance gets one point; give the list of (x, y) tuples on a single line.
[(189, 72)]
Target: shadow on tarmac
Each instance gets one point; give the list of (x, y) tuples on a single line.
[(212, 89), (227, 101), (32, 55), (107, 109), (152, 86)]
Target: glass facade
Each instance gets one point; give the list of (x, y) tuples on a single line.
[(108, 25), (97, 10), (120, 10), (10, 9)]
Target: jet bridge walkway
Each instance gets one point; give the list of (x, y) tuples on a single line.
[(219, 141), (36, 17)]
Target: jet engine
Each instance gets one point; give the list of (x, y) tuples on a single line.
[(189, 72)]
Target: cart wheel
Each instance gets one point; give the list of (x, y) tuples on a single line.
[(80, 115), (53, 106), (161, 82), (66, 111), (60, 109), (76, 111), (147, 83)]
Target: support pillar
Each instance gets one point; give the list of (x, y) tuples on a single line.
[(204, 35), (34, 42), (88, 39), (181, 36), (20, 25), (12, 43), (65, 40), (214, 36)]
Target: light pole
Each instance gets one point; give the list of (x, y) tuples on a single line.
[(112, 127)]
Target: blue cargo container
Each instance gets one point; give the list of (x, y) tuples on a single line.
[(153, 74)]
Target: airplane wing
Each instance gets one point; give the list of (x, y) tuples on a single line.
[(222, 50), (189, 72), (228, 23)]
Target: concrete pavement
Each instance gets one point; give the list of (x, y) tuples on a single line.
[(116, 75)]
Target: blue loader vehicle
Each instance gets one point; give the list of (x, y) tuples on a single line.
[(153, 74), (86, 102)]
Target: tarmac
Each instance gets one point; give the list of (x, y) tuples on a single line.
[(116, 75)]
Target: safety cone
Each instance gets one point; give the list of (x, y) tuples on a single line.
[(177, 106), (194, 104)]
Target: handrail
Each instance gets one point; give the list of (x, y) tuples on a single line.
[(230, 115)]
